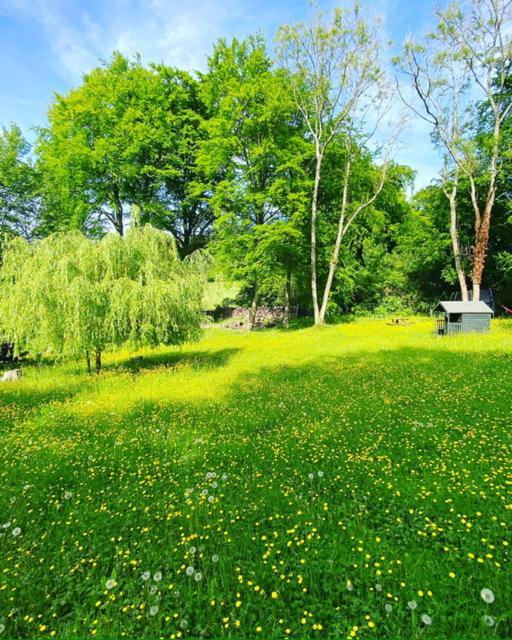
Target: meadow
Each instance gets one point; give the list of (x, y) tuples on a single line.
[(348, 482)]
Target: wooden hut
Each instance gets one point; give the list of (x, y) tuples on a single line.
[(462, 317)]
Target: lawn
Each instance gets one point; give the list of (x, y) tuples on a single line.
[(350, 482)]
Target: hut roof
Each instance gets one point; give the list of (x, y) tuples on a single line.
[(463, 307)]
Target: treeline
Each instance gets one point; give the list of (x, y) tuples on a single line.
[(283, 167)]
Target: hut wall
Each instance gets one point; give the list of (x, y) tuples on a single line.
[(476, 322)]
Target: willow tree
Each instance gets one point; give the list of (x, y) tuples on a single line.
[(66, 295)]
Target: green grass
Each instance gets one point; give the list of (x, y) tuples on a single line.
[(317, 481)]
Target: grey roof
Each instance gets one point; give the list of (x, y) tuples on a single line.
[(464, 307)]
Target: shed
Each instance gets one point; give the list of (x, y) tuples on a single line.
[(463, 317)]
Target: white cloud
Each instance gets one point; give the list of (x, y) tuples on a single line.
[(159, 30)]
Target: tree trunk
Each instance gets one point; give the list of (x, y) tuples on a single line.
[(98, 361), (314, 214), (118, 210), (254, 307), (336, 252), (287, 297), (454, 235), (88, 360), (482, 227), (479, 255)]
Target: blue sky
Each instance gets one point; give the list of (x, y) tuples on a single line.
[(46, 46)]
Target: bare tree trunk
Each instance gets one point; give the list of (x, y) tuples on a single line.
[(98, 361), (88, 360), (336, 252), (287, 296), (254, 307), (314, 214), (343, 225), (454, 235)]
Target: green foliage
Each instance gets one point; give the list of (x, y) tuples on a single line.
[(126, 136), (19, 202), (67, 295), (253, 153)]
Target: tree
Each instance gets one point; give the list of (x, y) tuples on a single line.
[(19, 202), (180, 202), (468, 59), (338, 86), (127, 136), (67, 295), (253, 152)]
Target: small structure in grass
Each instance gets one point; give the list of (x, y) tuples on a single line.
[(462, 317)]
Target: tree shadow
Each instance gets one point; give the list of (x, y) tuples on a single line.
[(193, 359)]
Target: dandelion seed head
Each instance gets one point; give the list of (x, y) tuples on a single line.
[(412, 604), (153, 610), (198, 576), (146, 575), (158, 576), (215, 558), (426, 619), (110, 583), (489, 621), (16, 532), (189, 571), (487, 596)]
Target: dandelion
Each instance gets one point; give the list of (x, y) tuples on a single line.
[(6, 525), (110, 584), (350, 586), (311, 476), (210, 499), (68, 495), (426, 619), (320, 474), (224, 477), (189, 571), (153, 589), (184, 623), (487, 596), (158, 576), (2, 628), (192, 550), (16, 532), (153, 610), (274, 595), (489, 621), (412, 604), (198, 576), (146, 575), (378, 587), (389, 608), (215, 558)]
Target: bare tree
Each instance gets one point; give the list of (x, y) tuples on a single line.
[(338, 85), (466, 61)]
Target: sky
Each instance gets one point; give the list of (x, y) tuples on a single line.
[(46, 46)]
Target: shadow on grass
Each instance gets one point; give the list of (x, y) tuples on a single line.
[(175, 359)]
